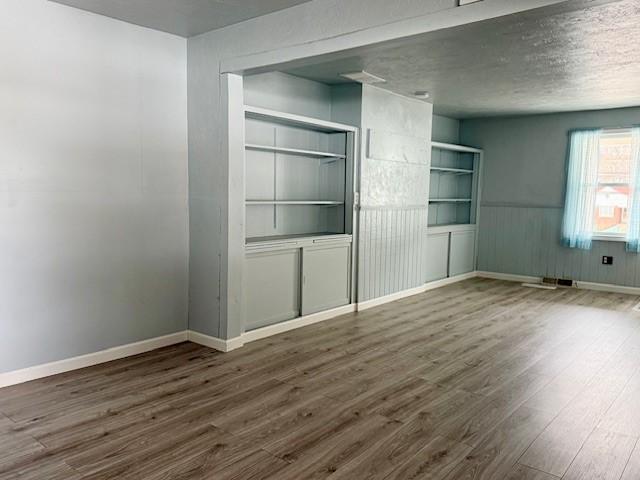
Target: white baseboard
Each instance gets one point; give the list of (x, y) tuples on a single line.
[(374, 302), (602, 287), (449, 281), (413, 291), (608, 287), (214, 342), (509, 277), (40, 371), (282, 327)]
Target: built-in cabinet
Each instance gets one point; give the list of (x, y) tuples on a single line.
[(286, 280), (299, 177), (454, 190)]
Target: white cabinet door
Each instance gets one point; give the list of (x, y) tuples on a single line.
[(437, 256), (272, 282), (462, 253), (326, 277)]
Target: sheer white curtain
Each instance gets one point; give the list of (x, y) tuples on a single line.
[(582, 182), (633, 234)]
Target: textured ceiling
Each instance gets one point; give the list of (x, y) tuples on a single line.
[(578, 55), (182, 17)]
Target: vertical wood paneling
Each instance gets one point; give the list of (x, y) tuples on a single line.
[(392, 243), (526, 241)]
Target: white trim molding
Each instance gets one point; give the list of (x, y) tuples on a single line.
[(215, 342), (61, 366), (509, 277), (601, 287), (413, 291), (282, 327), (448, 281), (374, 302), (608, 287)]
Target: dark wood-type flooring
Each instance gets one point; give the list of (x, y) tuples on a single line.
[(483, 379)]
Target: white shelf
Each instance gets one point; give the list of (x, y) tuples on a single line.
[(297, 120), (294, 151), (449, 200), (288, 240), (435, 229), (458, 171), (293, 202), (455, 148)]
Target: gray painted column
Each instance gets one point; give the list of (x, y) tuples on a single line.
[(232, 305)]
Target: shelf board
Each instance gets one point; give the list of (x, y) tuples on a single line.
[(458, 171), (293, 151), (449, 200), (455, 148), (297, 120), (297, 237), (435, 229), (293, 202)]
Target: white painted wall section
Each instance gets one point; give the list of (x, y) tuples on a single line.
[(93, 183)]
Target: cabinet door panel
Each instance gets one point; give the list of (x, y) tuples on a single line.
[(326, 277), (437, 256), (272, 282), (463, 253)]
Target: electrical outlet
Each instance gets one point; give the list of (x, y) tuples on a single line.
[(607, 260)]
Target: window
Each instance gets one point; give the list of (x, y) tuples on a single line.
[(613, 192), (602, 198)]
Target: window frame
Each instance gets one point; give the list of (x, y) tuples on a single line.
[(612, 237)]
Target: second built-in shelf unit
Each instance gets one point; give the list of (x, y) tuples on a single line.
[(454, 190), (453, 187)]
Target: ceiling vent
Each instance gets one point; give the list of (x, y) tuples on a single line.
[(363, 77)]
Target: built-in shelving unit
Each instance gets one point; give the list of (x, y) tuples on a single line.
[(299, 191), (297, 172), (453, 184), (453, 210)]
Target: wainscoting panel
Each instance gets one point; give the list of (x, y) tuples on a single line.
[(526, 241), (392, 250)]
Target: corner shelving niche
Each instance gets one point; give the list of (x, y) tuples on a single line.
[(453, 188), (454, 191), (296, 176)]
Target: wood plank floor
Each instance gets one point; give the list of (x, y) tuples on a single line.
[(479, 380)]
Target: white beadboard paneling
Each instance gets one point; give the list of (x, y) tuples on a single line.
[(392, 250), (526, 241)]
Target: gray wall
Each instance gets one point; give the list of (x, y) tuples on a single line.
[(93, 183), (286, 93), (208, 127), (445, 129), (394, 192), (523, 195)]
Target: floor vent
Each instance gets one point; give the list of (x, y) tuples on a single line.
[(549, 283)]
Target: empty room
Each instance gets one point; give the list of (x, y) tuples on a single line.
[(319, 239)]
